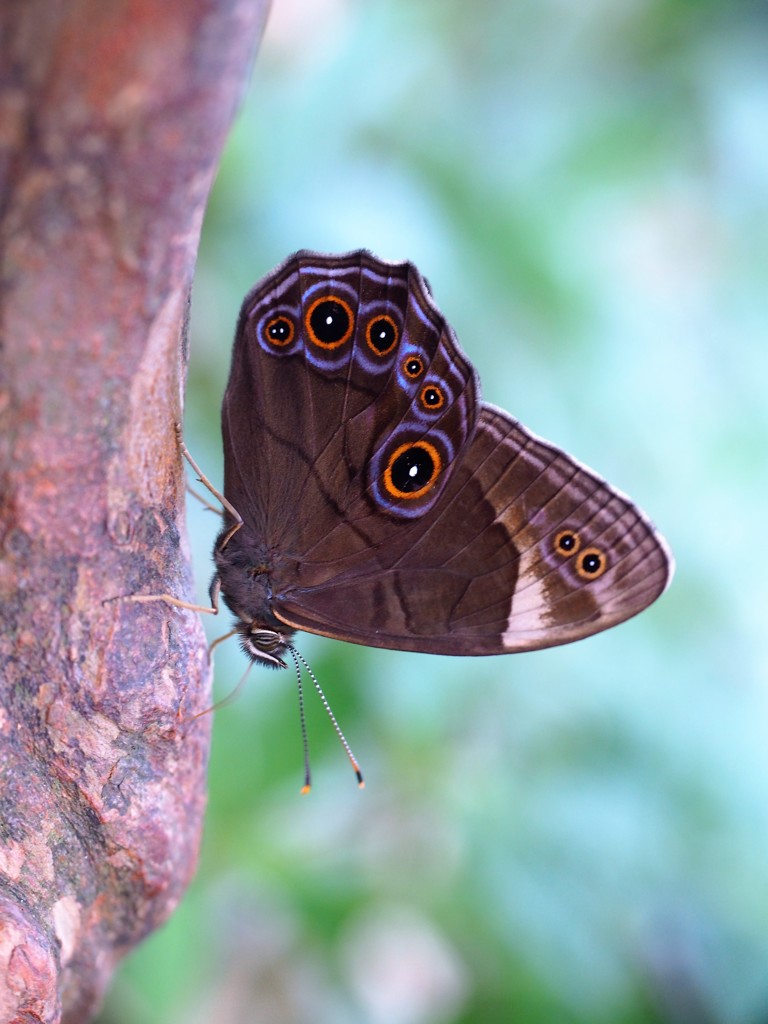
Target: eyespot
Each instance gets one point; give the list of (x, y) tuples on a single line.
[(413, 367), (591, 563), (567, 543), (412, 469), (382, 334), (280, 330), (432, 397), (329, 322)]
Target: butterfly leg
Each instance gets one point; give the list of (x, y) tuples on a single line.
[(215, 588), (203, 479), (203, 501), (212, 609)]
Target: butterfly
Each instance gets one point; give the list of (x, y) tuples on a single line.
[(371, 496)]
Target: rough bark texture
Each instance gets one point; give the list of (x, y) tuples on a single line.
[(112, 117)]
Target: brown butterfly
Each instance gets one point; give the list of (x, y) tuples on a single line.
[(370, 495)]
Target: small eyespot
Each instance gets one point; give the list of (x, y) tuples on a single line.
[(329, 322), (432, 397), (567, 543), (591, 564), (382, 334), (280, 330), (412, 469), (413, 367)]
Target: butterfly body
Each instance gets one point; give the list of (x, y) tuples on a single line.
[(383, 503)]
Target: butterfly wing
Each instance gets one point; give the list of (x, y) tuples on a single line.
[(331, 362), (384, 505), (526, 549)]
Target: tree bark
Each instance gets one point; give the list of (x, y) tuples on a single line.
[(112, 117)]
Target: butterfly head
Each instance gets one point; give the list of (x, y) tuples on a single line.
[(263, 645)]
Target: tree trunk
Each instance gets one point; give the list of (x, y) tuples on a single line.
[(112, 117)]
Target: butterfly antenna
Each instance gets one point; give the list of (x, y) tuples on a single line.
[(298, 657), (224, 700), (304, 739)]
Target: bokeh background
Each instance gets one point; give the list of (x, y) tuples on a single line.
[(575, 835)]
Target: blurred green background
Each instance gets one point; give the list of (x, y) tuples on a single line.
[(575, 835)]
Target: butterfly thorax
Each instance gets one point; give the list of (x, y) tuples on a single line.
[(244, 574)]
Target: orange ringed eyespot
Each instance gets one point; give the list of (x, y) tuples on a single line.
[(432, 397), (329, 322), (591, 563), (382, 334), (567, 543), (280, 330), (413, 367), (412, 470)]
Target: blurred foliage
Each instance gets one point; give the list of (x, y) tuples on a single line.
[(575, 835)]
